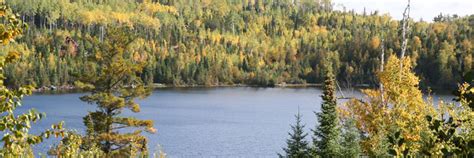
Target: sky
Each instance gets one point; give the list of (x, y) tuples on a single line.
[(425, 9)]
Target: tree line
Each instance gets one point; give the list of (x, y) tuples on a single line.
[(229, 42)]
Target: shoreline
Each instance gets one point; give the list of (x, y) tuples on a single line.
[(160, 85), (72, 89)]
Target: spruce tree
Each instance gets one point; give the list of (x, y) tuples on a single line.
[(113, 90), (297, 146), (350, 139), (326, 135)]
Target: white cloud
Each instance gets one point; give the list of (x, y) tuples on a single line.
[(426, 9)]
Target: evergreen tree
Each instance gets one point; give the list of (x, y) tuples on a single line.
[(326, 135), (297, 146), (115, 88), (350, 139)]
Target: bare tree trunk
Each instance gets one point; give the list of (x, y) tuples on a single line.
[(102, 31), (382, 63), (405, 28)]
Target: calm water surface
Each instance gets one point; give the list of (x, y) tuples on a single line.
[(202, 122)]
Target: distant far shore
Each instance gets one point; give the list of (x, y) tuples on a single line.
[(72, 88), (160, 85)]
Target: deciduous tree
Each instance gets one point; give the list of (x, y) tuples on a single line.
[(17, 140)]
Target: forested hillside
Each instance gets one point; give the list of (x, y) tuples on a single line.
[(258, 42)]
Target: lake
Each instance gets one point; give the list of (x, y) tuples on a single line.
[(202, 122)]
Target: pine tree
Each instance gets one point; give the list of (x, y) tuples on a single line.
[(115, 88), (297, 146), (350, 139), (326, 135)]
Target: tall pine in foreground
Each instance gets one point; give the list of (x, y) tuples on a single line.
[(297, 146), (326, 135), (113, 90)]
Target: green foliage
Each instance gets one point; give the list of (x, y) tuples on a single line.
[(73, 145), (16, 140), (327, 134), (350, 146), (114, 89), (297, 146), (451, 129), (465, 93)]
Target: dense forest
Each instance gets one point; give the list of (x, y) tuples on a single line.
[(113, 48), (225, 42)]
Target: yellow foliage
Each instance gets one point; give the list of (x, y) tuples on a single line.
[(52, 61), (467, 45), (416, 42), (468, 62), (399, 108), (121, 18), (93, 17), (153, 8), (439, 27), (261, 63), (147, 21), (375, 42)]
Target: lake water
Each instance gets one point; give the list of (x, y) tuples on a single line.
[(202, 122)]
